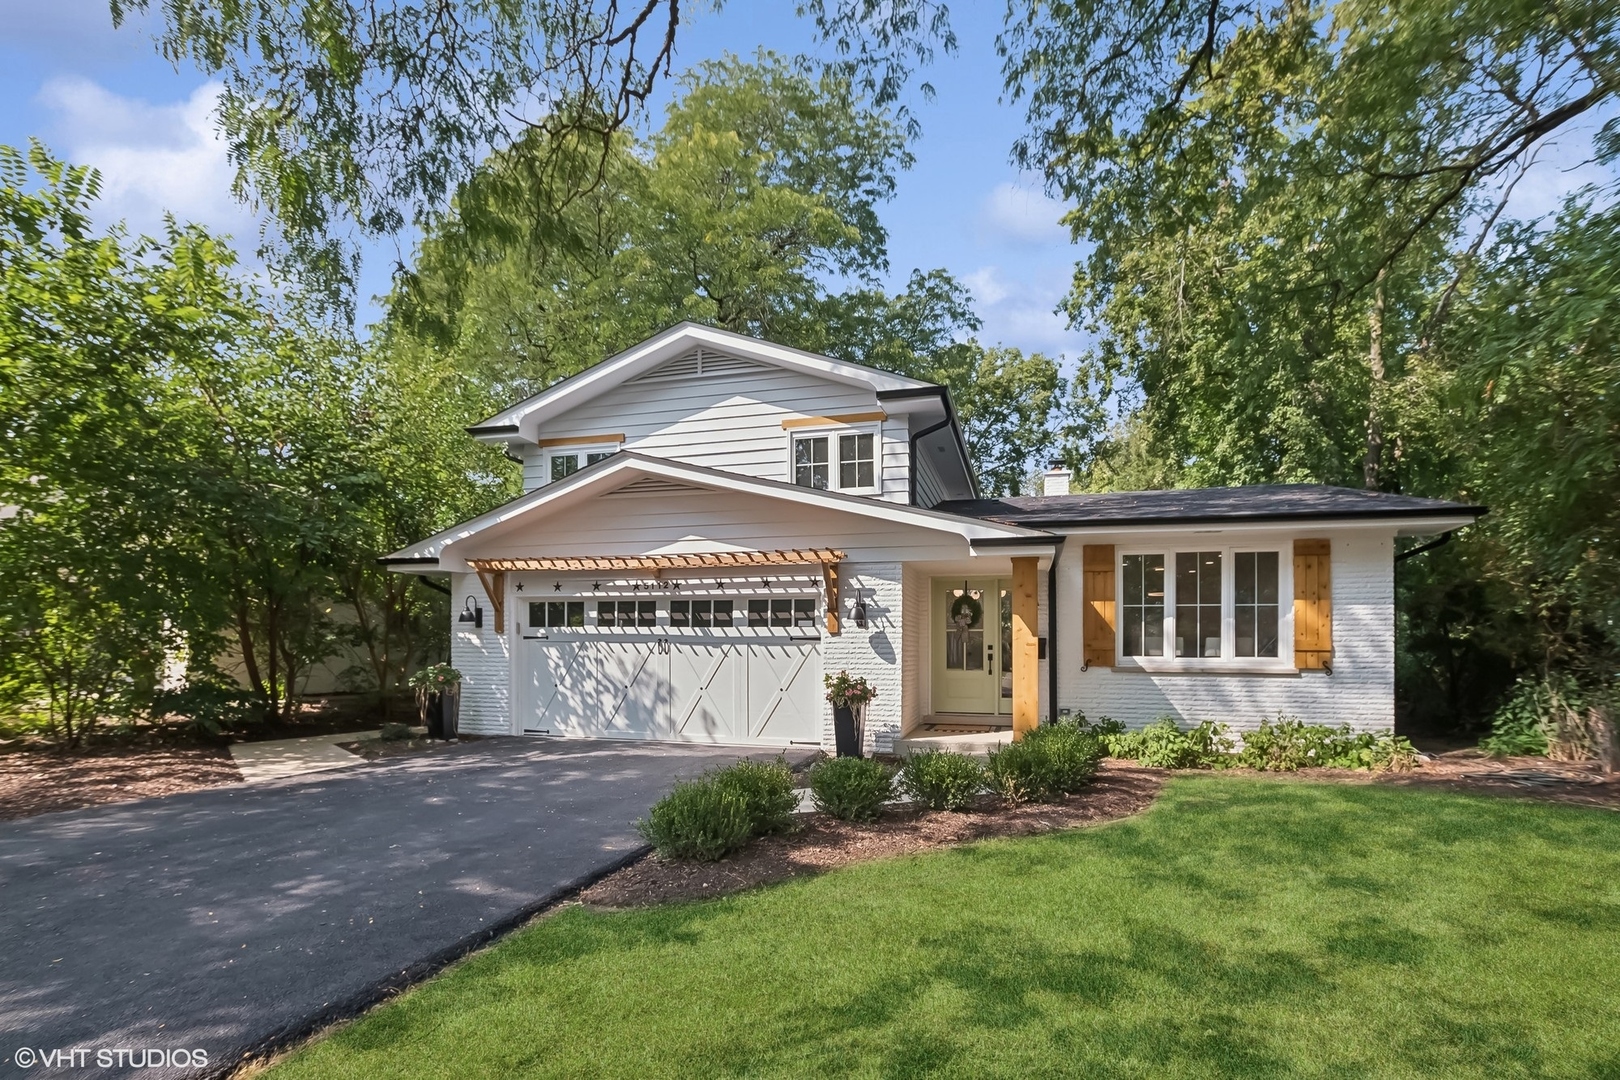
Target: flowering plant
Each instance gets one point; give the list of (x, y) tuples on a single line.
[(846, 691), (437, 677)]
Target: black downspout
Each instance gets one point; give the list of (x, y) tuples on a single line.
[(1430, 546), (1052, 637), (434, 585)]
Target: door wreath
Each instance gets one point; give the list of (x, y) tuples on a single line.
[(965, 610)]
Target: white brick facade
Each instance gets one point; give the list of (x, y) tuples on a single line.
[(1360, 692), (874, 653), (484, 660)]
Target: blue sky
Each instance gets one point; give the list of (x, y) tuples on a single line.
[(105, 98)]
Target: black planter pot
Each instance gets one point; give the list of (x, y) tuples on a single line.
[(845, 737), (435, 716)]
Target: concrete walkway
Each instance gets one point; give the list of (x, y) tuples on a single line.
[(237, 918), (275, 759)]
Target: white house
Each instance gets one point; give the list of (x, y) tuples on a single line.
[(711, 522)]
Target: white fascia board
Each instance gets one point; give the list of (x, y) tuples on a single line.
[(587, 481), (521, 421)]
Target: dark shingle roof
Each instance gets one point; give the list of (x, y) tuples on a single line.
[(1259, 502)]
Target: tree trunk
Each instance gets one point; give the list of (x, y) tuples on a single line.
[(1372, 464), (244, 641)]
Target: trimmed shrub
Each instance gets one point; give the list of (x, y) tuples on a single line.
[(766, 791), (700, 819), (722, 810), (940, 780), (1288, 745), (1046, 764), (394, 732), (851, 789), (1164, 745)]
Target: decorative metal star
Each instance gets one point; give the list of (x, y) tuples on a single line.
[(520, 586), (556, 586), (596, 586)]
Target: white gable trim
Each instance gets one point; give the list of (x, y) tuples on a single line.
[(523, 420), (626, 470)]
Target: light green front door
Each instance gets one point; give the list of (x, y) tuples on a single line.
[(967, 645)]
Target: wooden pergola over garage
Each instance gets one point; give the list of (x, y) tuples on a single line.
[(492, 572)]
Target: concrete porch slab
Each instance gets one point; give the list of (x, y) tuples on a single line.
[(972, 743), (278, 758)]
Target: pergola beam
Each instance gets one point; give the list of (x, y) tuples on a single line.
[(708, 560)]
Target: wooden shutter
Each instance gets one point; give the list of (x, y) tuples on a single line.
[(1097, 566), (1313, 604)]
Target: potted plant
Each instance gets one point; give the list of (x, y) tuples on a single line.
[(438, 690), (849, 695)]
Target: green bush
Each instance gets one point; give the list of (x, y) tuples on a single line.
[(699, 819), (394, 732), (1046, 764), (1102, 726), (851, 789), (722, 810), (1287, 745), (1164, 745), (1531, 718), (766, 791), (940, 780)]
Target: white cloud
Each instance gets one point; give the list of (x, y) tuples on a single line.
[(1020, 310), (152, 157), (1016, 214)]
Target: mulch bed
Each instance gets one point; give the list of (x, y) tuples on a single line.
[(1582, 783), (42, 781), (825, 843)]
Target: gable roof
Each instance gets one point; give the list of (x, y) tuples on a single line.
[(1255, 503), (673, 345), (625, 469)]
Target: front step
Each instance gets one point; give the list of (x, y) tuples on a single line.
[(975, 743)]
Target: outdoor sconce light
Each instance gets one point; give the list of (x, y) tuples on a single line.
[(858, 612), (472, 613)]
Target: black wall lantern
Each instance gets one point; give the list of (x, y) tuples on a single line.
[(473, 613), (858, 612)]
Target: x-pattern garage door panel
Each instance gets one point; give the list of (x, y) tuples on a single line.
[(653, 687), (784, 699), (632, 689), (703, 690)]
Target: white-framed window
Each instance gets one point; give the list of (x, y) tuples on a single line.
[(812, 463), (700, 614), (565, 461), (1204, 606), (836, 459)]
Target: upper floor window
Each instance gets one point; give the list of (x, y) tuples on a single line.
[(810, 464), (856, 466), (1201, 604), (564, 463), (843, 460)]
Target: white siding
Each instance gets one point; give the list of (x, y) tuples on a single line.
[(484, 659), (874, 653), (731, 422), (896, 460), (625, 524), (930, 490), (1360, 692)]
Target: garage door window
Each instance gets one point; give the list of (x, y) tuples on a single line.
[(568, 614), (626, 613), (700, 613), (782, 613)]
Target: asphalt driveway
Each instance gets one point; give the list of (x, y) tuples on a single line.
[(235, 918)]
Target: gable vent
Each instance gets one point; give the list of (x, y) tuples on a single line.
[(653, 485), (699, 362)]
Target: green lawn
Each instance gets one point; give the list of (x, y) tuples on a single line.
[(1240, 928)]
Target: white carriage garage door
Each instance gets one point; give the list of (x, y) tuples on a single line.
[(643, 678)]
